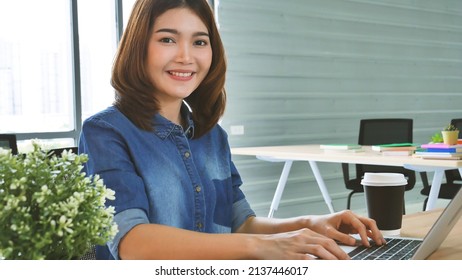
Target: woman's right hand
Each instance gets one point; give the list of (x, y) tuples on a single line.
[(302, 244)]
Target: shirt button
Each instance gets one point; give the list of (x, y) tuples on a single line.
[(199, 225), (187, 154), (198, 188)]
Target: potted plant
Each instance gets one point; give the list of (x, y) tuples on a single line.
[(49, 209), (450, 134), (437, 138)]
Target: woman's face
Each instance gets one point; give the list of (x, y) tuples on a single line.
[(179, 55)]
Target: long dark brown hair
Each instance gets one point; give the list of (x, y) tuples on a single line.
[(134, 91)]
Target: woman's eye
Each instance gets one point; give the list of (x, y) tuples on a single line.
[(201, 43), (167, 40)]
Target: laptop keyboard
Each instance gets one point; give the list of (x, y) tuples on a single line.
[(395, 249)]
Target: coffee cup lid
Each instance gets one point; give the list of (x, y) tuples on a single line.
[(383, 179)]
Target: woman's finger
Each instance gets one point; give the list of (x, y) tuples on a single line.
[(324, 248), (373, 231)]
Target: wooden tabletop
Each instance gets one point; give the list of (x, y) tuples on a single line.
[(418, 224), (313, 152)]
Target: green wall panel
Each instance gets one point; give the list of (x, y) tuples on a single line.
[(306, 71)]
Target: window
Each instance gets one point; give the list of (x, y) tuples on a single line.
[(98, 43), (35, 66), (127, 8), (42, 95)]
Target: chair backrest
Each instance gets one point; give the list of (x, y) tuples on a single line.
[(59, 151), (457, 123), (8, 141), (386, 131), (453, 174)]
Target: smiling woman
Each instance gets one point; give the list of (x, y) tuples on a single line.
[(162, 151), (179, 58), (189, 45)]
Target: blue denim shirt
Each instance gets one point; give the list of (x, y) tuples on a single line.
[(163, 176)]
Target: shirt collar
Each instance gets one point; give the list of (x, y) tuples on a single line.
[(164, 127)]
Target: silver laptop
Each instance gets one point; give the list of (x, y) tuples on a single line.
[(402, 248)]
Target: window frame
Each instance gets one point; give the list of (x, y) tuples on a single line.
[(76, 77)]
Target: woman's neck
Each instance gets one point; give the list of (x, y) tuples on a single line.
[(172, 112)]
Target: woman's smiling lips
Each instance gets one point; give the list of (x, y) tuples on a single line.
[(181, 75)]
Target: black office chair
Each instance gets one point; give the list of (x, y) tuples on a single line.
[(59, 151), (377, 132), (8, 141), (453, 179), (90, 254)]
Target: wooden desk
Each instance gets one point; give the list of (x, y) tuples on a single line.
[(313, 154), (418, 224)]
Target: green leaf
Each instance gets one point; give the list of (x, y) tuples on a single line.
[(49, 209)]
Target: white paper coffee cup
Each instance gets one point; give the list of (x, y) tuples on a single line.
[(384, 194)]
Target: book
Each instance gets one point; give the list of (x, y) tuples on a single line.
[(444, 150), (396, 153), (340, 146), (441, 157), (435, 155), (394, 147), (439, 146)]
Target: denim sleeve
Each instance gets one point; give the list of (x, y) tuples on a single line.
[(241, 208), (109, 156), (125, 221), (241, 212)]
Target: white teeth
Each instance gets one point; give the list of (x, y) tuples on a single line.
[(181, 74)]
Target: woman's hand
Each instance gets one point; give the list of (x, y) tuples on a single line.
[(341, 224), (302, 244), (308, 237)]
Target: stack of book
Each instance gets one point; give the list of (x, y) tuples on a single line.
[(395, 149), (341, 148), (440, 151)]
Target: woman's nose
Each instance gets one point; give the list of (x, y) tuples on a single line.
[(184, 53)]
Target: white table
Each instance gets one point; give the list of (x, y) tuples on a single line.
[(313, 154)]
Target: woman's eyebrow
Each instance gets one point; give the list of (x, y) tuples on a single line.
[(176, 32)]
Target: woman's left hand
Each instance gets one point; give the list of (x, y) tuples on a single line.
[(340, 225)]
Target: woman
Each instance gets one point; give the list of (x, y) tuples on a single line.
[(161, 150)]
